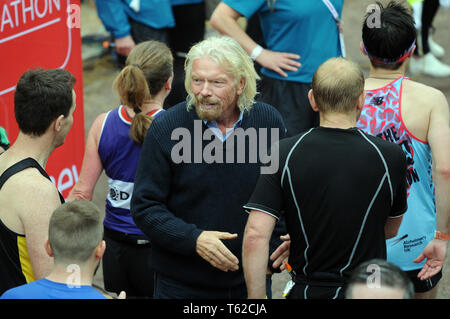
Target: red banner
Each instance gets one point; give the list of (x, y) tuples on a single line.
[(43, 33)]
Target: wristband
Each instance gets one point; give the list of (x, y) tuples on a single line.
[(441, 236), (256, 52)]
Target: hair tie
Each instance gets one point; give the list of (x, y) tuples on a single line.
[(138, 66), (137, 110)]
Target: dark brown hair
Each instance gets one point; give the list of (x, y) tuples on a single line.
[(41, 96)]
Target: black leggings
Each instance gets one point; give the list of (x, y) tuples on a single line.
[(430, 8)]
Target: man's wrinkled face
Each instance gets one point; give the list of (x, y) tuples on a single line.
[(214, 89)]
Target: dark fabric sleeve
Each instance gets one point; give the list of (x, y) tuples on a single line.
[(400, 204), (267, 196), (150, 194)]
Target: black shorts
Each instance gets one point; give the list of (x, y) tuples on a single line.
[(301, 291), (421, 286), (127, 266)]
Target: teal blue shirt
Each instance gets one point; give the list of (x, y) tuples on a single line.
[(305, 27), (115, 14)]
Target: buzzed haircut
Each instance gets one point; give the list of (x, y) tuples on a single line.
[(41, 96), (387, 43), (75, 230), (337, 84)]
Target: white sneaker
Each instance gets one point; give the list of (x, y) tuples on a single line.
[(415, 65), (433, 67), (435, 48)]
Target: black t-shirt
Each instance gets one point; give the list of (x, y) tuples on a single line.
[(336, 187)]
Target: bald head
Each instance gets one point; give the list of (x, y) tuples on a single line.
[(337, 86)]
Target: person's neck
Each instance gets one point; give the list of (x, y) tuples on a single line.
[(337, 120), (38, 148), (155, 103), (226, 121), (73, 274), (385, 74)]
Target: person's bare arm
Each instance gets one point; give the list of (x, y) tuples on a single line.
[(39, 198), (255, 252), (392, 225), (92, 166), (439, 141), (224, 19)]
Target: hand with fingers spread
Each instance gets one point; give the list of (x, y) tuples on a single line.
[(279, 61), (435, 253), (211, 248)]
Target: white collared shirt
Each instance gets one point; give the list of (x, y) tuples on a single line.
[(215, 128)]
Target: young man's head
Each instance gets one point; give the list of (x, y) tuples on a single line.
[(43, 96), (337, 87), (220, 75), (379, 279), (76, 233), (390, 42)]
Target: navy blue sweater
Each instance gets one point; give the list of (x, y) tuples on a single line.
[(174, 202)]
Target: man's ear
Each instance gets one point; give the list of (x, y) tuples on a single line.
[(361, 47), (48, 249), (312, 101), (413, 50), (57, 124), (100, 250), (240, 86), (168, 84), (361, 100)]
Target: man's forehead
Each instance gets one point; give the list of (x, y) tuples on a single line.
[(207, 65)]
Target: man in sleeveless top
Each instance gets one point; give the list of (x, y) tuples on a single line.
[(44, 103), (416, 117)]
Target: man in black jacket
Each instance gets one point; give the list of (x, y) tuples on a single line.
[(198, 166)]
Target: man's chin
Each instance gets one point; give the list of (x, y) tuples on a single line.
[(208, 115)]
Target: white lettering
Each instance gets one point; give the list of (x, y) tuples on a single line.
[(66, 179), (41, 14), (74, 279), (26, 11), (57, 5), (62, 186), (374, 280), (74, 16), (8, 18), (16, 11)]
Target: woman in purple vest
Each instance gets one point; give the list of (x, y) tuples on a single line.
[(114, 145)]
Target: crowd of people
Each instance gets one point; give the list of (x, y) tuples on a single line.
[(341, 180)]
